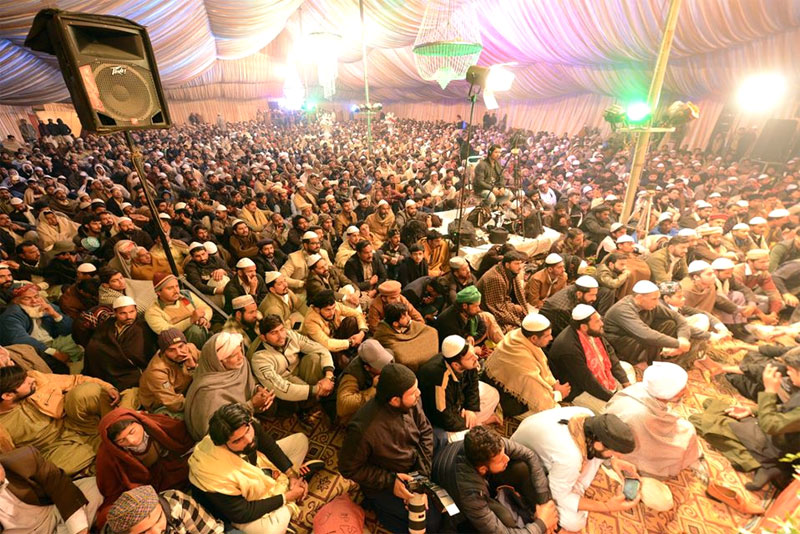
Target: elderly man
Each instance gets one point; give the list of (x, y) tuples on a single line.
[(738, 240), (244, 321), (178, 309), (119, 350), (57, 415), (32, 320), (365, 269), (412, 342), (292, 366), (582, 357), (282, 301), (572, 444), (137, 448), (452, 396), (169, 512), (669, 263), (246, 282), (700, 290), (208, 274), (459, 277), (381, 221), (546, 281), (36, 497), (518, 369), (558, 308), (296, 267), (388, 438), (641, 328), (358, 380), (503, 294), (337, 327), (167, 377), (243, 476)]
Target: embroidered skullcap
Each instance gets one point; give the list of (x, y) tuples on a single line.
[(244, 263), (616, 226), (624, 239), (410, 202), (741, 226), (778, 214), (454, 347), (271, 276), (313, 259), (351, 230), (310, 235), (709, 230), (194, 246), (86, 268), (664, 380), (757, 220), (132, 507), (757, 254), (687, 232), (242, 301), (669, 288), (210, 247), (666, 216)]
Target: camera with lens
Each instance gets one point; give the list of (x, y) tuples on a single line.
[(438, 495)]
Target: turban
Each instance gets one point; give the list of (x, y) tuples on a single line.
[(664, 380), (226, 343), (468, 295), (612, 432), (132, 507), (395, 380), (24, 288)]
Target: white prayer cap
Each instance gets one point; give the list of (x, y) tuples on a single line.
[(271, 276), (244, 263), (351, 230), (741, 226), (721, 264), (242, 301), (457, 262), (125, 205), (705, 230), (687, 232), (757, 220), (221, 207), (194, 246), (582, 267), (310, 235), (313, 259), (698, 266), (702, 204), (553, 259), (454, 346), (715, 194), (733, 178), (582, 311), (164, 216), (542, 182), (124, 219), (611, 198), (624, 239), (616, 226), (211, 247), (664, 380), (586, 282), (534, 322), (743, 203), (121, 302), (383, 203), (86, 268), (666, 216), (180, 206), (644, 287), (778, 214), (410, 202)]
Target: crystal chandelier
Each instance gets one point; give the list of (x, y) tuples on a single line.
[(325, 46), (448, 41)]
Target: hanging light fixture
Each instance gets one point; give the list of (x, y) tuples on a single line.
[(448, 41), (325, 47)]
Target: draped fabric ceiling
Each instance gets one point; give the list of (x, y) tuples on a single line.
[(241, 49)]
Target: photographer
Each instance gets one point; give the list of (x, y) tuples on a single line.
[(472, 471), (388, 438)]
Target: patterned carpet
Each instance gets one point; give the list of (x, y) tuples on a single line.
[(694, 512)]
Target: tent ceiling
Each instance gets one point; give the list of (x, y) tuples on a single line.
[(239, 49)]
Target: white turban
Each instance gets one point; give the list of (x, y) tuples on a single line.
[(664, 380), (226, 343)]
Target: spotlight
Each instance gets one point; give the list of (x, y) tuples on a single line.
[(681, 112), (638, 112), (761, 92), (494, 79), (614, 116)]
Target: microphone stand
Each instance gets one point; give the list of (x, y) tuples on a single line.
[(473, 96)]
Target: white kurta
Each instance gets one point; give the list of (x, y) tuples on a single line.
[(568, 472), (17, 517)]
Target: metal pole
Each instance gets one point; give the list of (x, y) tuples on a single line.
[(460, 213), (366, 79), (653, 95)]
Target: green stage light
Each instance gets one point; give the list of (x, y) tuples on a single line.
[(638, 112)]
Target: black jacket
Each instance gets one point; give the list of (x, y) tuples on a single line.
[(568, 363), (353, 271), (451, 322), (471, 491), (409, 271), (234, 289), (199, 275), (445, 394)]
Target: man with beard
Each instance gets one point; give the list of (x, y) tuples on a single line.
[(6, 282), (127, 230), (573, 443), (365, 269), (268, 258), (345, 218), (381, 221), (241, 475), (207, 273), (337, 327), (168, 375), (295, 269), (34, 321), (669, 263), (347, 249), (393, 253), (31, 267), (412, 341), (120, 350), (323, 276), (582, 357), (91, 228), (246, 282), (137, 448), (57, 415), (711, 246), (546, 281), (558, 307), (503, 294), (489, 182), (63, 267), (243, 243), (282, 301), (388, 438), (178, 309), (244, 321), (613, 273)]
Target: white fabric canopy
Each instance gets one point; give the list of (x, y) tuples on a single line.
[(238, 49)]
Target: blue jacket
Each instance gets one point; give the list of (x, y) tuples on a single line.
[(16, 327)]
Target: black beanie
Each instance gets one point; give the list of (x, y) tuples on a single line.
[(395, 380), (612, 432)]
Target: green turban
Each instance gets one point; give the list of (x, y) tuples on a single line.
[(469, 295)]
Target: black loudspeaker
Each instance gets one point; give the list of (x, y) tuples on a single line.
[(776, 141), (108, 66)]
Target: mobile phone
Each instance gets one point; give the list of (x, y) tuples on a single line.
[(631, 488)]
